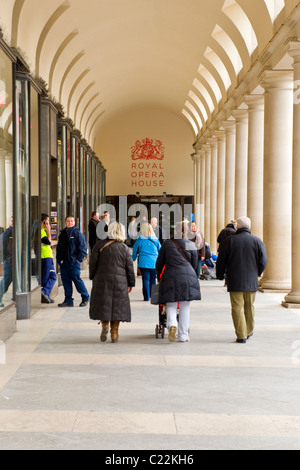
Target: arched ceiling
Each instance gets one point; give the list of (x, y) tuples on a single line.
[(100, 57)]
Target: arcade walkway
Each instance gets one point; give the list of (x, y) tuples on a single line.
[(63, 389)]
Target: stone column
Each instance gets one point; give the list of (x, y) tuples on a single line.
[(241, 162), (213, 193), (221, 180), (196, 160), (207, 192), (278, 87), (255, 162), (202, 191), (293, 298), (230, 170)]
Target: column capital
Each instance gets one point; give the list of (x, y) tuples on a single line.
[(294, 51), (212, 141), (282, 79), (240, 115), (197, 146), (196, 157), (206, 147), (255, 102), (229, 126), (220, 135)]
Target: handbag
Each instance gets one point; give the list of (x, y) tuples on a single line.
[(155, 294)]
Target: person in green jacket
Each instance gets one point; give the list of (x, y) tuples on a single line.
[(48, 270)]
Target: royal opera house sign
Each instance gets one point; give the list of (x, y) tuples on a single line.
[(147, 169)]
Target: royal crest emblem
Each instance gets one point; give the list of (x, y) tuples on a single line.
[(148, 150)]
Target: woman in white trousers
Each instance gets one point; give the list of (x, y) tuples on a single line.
[(176, 268), (183, 320)]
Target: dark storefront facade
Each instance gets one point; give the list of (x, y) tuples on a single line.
[(46, 166)]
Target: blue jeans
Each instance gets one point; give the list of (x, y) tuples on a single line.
[(208, 263), (199, 266), (149, 278), (71, 273), (48, 275)]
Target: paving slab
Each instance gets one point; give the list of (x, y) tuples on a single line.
[(61, 388)]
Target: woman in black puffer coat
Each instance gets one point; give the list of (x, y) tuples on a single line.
[(111, 269), (176, 265)]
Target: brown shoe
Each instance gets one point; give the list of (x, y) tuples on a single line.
[(172, 334), (114, 331), (104, 332)]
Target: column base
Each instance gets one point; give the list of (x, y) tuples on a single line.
[(273, 291), (292, 300), (8, 323), (289, 305), (279, 287), (23, 305)]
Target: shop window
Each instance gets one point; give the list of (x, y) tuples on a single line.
[(35, 221), (6, 181)]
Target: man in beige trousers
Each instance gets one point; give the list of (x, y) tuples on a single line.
[(243, 257)]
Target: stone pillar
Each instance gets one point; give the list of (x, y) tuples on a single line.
[(293, 298), (196, 160), (207, 192), (221, 180), (213, 193), (255, 162), (278, 87), (202, 191), (230, 170), (241, 162)]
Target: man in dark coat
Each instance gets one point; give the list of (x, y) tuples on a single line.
[(71, 251), (93, 222), (228, 231), (244, 259)]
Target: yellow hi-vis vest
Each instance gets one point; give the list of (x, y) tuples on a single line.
[(46, 250)]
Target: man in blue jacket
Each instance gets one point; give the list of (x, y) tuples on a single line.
[(71, 251), (243, 257)]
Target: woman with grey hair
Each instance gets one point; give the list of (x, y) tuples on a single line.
[(112, 273)]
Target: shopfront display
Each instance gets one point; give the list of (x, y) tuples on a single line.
[(6, 181), (46, 167)]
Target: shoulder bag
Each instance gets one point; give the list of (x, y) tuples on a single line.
[(181, 250), (107, 244)]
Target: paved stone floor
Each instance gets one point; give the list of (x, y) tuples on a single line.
[(62, 389)]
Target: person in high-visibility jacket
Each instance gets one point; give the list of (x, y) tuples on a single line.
[(48, 270)]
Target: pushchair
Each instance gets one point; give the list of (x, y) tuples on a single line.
[(162, 320), (162, 317)]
